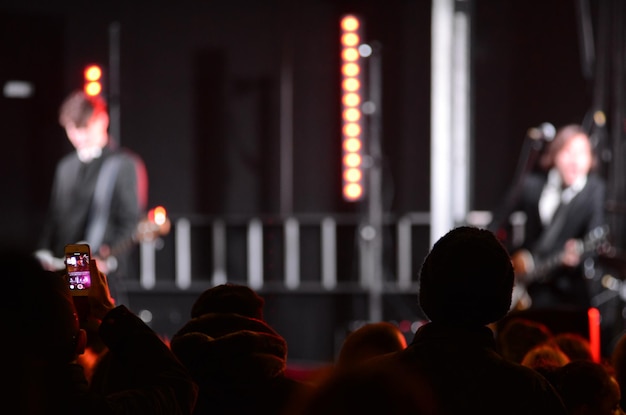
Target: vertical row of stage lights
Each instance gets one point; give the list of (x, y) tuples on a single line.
[(92, 80), (351, 115)]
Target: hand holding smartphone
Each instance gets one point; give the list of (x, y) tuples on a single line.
[(87, 284), (77, 265)]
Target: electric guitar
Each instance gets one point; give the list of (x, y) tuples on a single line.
[(528, 270), (155, 224)]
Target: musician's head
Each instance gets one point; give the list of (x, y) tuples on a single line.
[(86, 122), (571, 153), (466, 279)]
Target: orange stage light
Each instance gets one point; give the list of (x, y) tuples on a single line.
[(92, 80), (349, 23), (352, 144), (351, 112)]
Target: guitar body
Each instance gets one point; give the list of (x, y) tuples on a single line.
[(523, 264), (156, 224), (528, 269)]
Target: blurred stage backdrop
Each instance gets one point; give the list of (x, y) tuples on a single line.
[(235, 108)]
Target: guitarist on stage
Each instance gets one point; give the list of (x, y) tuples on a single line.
[(99, 192), (562, 199)]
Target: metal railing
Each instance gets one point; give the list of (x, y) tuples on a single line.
[(406, 242)]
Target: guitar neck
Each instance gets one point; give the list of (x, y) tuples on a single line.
[(123, 246), (156, 224), (543, 269), (586, 246)]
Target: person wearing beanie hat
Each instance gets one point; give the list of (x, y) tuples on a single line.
[(466, 279), (235, 357), (466, 283), (229, 298)]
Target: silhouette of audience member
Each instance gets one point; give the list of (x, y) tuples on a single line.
[(588, 388), (365, 342), (235, 357), (574, 345), (545, 356), (465, 284), (47, 324), (229, 298), (370, 340), (546, 359), (518, 335), (618, 363), (368, 389)]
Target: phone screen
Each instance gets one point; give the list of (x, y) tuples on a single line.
[(77, 264)]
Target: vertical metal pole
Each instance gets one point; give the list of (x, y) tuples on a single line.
[(405, 262), (441, 119), (255, 254), (219, 252), (461, 167), (114, 82), (183, 253), (617, 176), (147, 276), (286, 127), (329, 253), (292, 253), (450, 116), (371, 232)]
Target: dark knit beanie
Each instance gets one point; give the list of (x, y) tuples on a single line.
[(229, 298), (466, 279), (228, 345)]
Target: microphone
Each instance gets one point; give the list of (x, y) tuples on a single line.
[(544, 132)]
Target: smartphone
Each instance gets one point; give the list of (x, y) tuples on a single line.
[(77, 258)]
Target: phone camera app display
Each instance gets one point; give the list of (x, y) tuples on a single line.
[(78, 271)]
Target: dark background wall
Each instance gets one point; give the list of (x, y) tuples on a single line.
[(200, 97), (200, 84)]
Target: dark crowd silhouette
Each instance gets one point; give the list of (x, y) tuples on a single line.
[(87, 355)]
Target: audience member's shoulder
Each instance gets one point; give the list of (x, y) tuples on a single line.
[(583, 384), (370, 340), (377, 387)]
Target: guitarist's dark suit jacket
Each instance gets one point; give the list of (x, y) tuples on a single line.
[(70, 208), (563, 286)]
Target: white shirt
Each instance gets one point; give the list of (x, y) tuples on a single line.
[(89, 153), (552, 194)]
